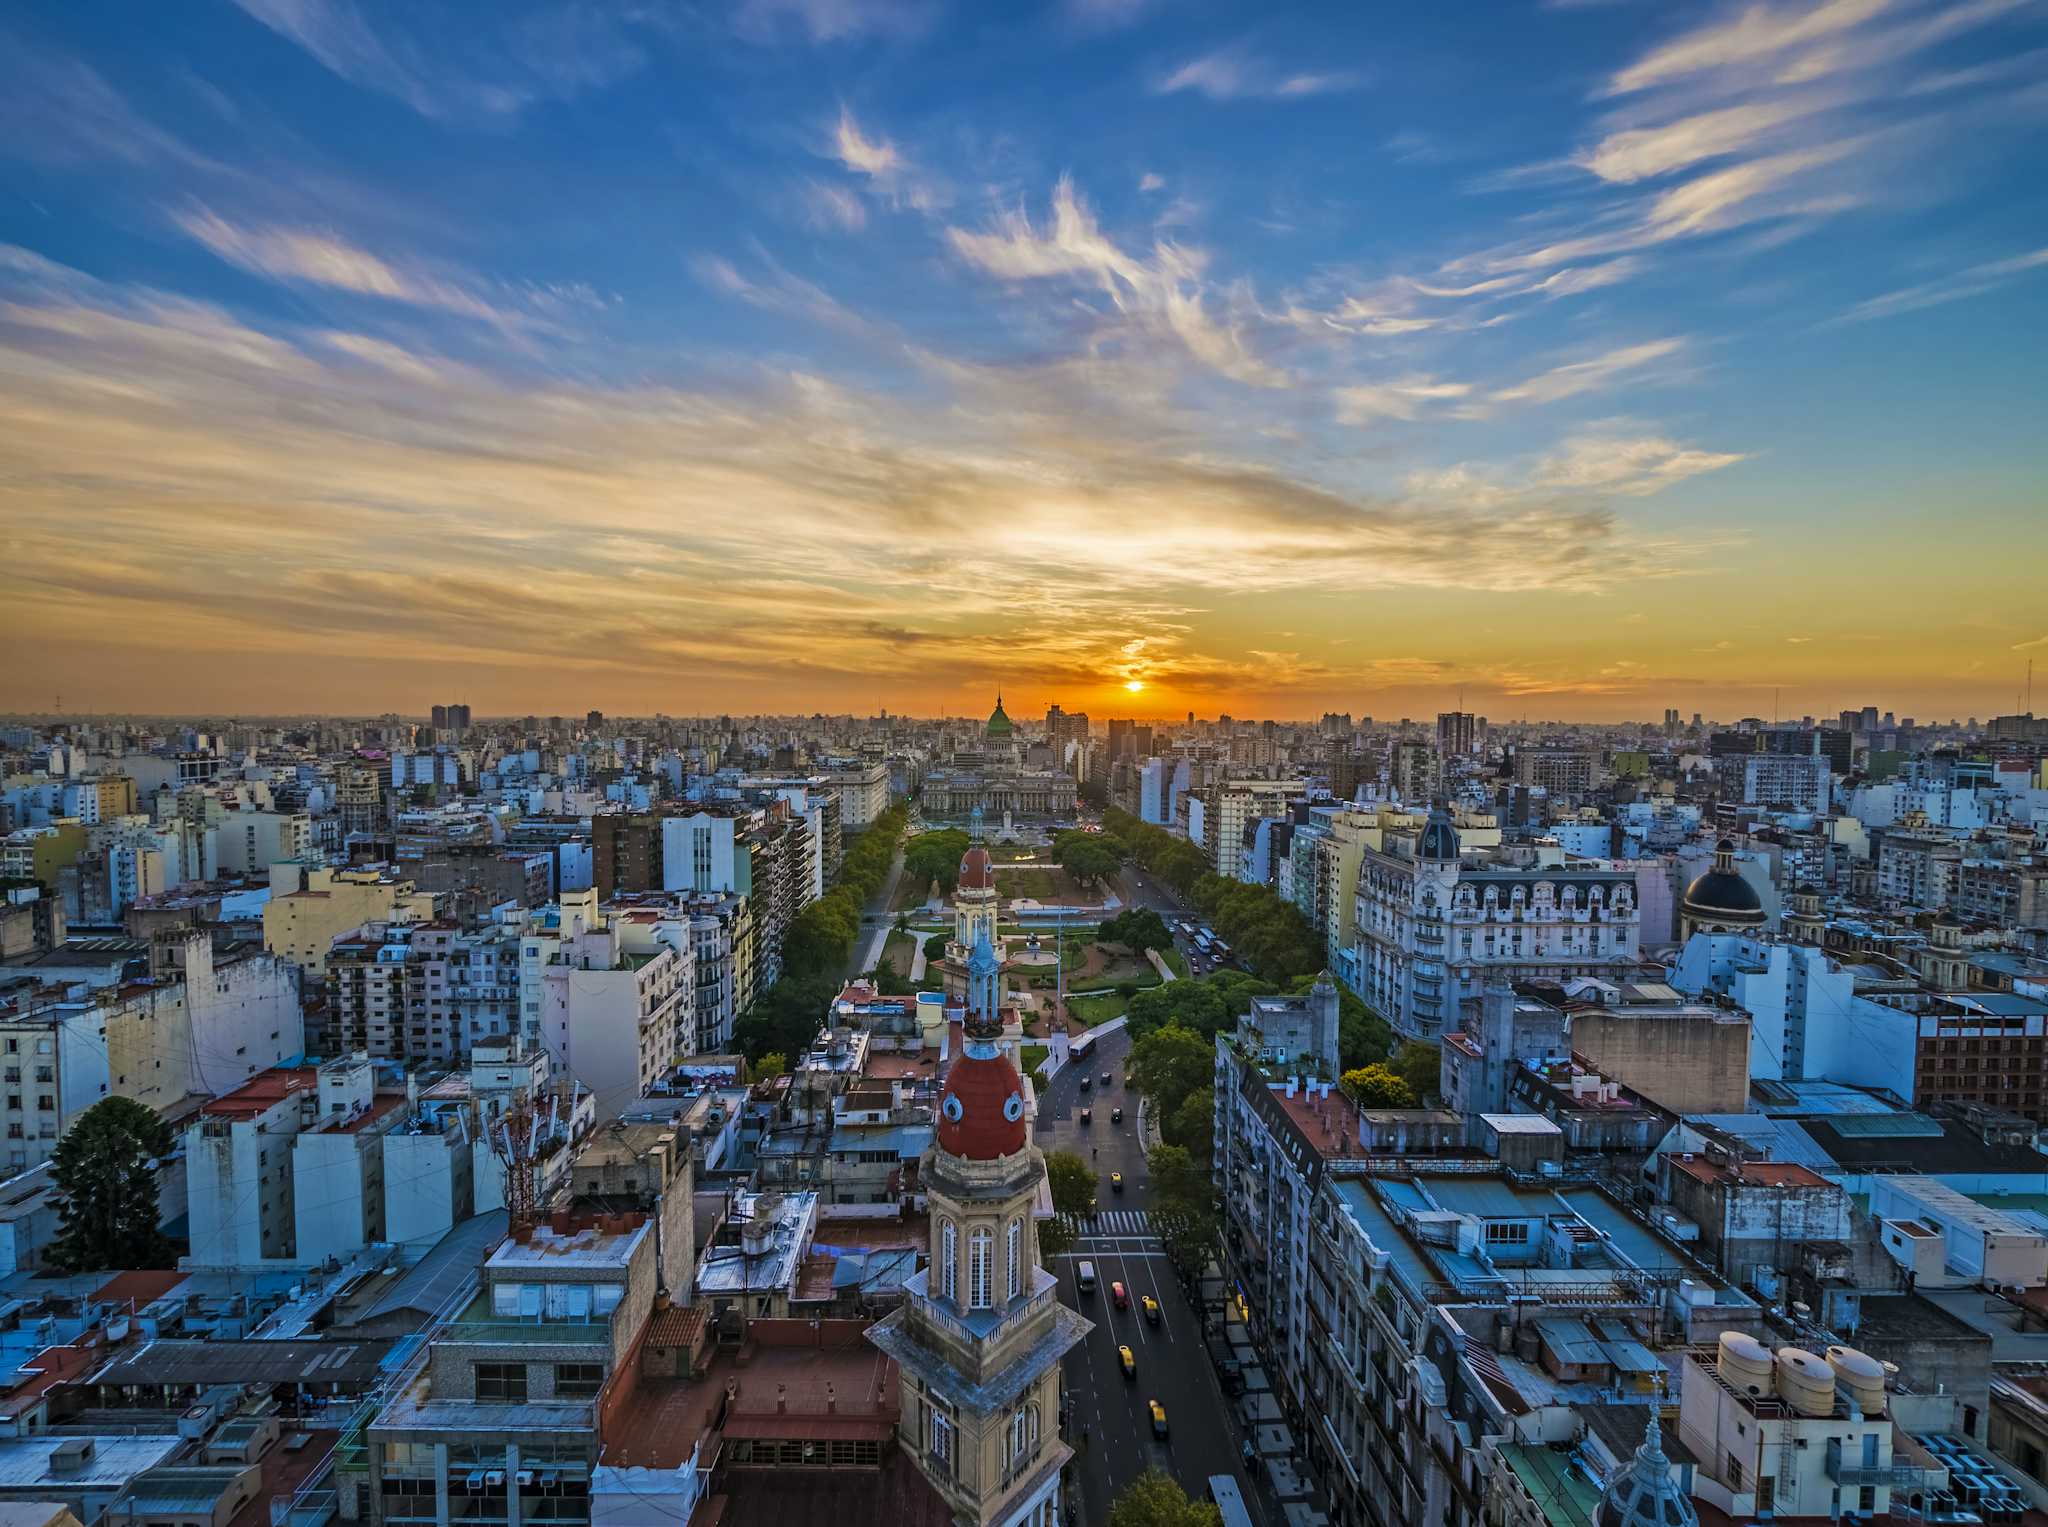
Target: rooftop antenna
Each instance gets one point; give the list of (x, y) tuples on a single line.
[(513, 1143)]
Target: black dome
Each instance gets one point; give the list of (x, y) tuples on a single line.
[(1439, 840), (1720, 890)]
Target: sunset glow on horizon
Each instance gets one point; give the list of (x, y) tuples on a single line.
[(790, 357)]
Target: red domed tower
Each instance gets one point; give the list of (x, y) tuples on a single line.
[(980, 1335)]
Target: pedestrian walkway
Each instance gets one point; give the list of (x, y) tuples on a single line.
[(1117, 1222)]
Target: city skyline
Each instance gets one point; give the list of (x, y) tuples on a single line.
[(811, 355)]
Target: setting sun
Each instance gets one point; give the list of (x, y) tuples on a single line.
[(1134, 685)]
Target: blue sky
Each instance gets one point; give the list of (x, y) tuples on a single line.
[(1590, 357)]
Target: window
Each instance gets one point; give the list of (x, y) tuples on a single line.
[(949, 1253), (940, 1443), (981, 1251), (1016, 1258), (1507, 1233), (578, 1381), (502, 1382)]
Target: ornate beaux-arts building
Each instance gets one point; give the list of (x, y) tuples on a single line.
[(995, 777)]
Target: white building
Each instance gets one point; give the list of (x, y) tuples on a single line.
[(1433, 928), (616, 1013), (249, 842), (1787, 781), (1233, 803), (863, 793), (338, 1164), (238, 1169), (1806, 1021), (705, 852)]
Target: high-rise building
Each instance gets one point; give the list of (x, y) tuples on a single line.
[(1417, 772), (1457, 734)]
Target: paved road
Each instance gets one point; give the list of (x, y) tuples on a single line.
[(876, 920), (1172, 1364)]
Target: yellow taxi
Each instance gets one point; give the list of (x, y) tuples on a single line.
[(1116, 1182), (1158, 1419), (1151, 1308), (1129, 1359)]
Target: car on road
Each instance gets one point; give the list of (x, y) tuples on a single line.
[(1084, 1081), (1158, 1420), (1116, 1115), (1129, 1360), (1087, 1116), (1116, 1182), (1120, 1296), (1105, 1078), (1085, 1278), (1151, 1308)]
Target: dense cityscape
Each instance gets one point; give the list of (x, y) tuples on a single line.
[(1023, 763), (731, 1119)]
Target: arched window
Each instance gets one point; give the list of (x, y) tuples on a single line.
[(1016, 1258), (949, 1261), (981, 1251)]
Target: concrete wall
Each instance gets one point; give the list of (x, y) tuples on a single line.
[(338, 1193), (1684, 1064), (429, 1185)]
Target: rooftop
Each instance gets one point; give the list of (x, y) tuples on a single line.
[(574, 1240), (263, 1092), (1748, 1174), (795, 1378)]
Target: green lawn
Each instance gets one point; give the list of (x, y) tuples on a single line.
[(1175, 961), (1094, 1010), (1031, 1055)]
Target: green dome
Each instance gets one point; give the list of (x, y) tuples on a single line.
[(1000, 725)]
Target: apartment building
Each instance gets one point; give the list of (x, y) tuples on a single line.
[(1229, 806), (614, 1008), (238, 1167), (311, 905), (251, 841), (1433, 926), (1919, 868), (497, 1418)]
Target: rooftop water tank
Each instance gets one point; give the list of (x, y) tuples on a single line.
[(1805, 1382), (1861, 1375), (1744, 1364)]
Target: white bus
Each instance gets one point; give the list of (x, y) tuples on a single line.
[(1229, 1500)]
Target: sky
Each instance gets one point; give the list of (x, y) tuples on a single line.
[(1569, 360)]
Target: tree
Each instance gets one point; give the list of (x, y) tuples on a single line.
[(935, 948), (1168, 1065), (1137, 930), (1194, 1005), (774, 1063), (1421, 1065), (936, 856), (1073, 1183), (106, 1174), (1193, 1124), (1156, 1499), (1084, 856), (1377, 1087)]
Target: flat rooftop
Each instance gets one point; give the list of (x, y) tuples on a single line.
[(594, 1241), (793, 1379)]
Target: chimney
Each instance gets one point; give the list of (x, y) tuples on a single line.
[(782, 1399), (1292, 1083)]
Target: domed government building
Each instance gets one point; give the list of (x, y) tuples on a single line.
[(1001, 771), (1720, 901)]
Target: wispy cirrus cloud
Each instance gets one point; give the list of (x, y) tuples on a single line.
[(828, 21), (301, 256), (1403, 400), (457, 66), (1972, 281), (1575, 377), (1610, 461), (1163, 293), (887, 170), (1237, 73)]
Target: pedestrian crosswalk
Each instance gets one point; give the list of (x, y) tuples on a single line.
[(1117, 1222)]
